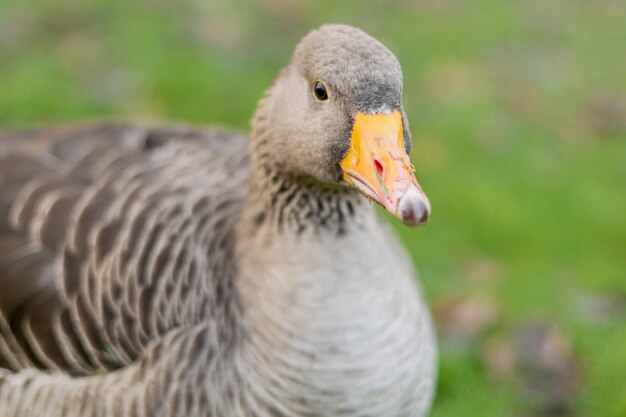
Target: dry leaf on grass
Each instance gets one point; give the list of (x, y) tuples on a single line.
[(465, 317)]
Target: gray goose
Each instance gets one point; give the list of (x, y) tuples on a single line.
[(180, 271)]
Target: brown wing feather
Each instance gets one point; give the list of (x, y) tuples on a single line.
[(99, 231)]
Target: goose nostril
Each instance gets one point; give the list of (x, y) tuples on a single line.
[(379, 167)]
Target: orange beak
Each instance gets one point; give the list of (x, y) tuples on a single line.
[(378, 166)]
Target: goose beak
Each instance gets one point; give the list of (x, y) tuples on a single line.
[(378, 166)]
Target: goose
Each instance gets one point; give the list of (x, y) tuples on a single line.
[(170, 270)]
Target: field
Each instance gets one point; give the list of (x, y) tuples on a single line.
[(518, 115)]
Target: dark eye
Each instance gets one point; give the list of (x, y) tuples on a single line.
[(320, 91)]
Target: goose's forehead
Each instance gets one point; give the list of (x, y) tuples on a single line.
[(359, 66)]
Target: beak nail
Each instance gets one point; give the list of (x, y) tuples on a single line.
[(413, 207)]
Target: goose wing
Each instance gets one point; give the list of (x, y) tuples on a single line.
[(111, 236)]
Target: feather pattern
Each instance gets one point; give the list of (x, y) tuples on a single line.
[(84, 274)]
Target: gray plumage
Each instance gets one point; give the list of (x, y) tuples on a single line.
[(176, 271)]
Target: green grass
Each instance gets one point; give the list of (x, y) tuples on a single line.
[(518, 117)]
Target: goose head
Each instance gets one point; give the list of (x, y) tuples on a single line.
[(335, 115)]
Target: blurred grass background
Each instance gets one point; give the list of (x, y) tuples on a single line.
[(518, 114)]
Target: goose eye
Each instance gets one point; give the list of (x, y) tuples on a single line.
[(320, 91)]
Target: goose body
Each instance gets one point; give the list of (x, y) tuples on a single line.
[(179, 271)]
